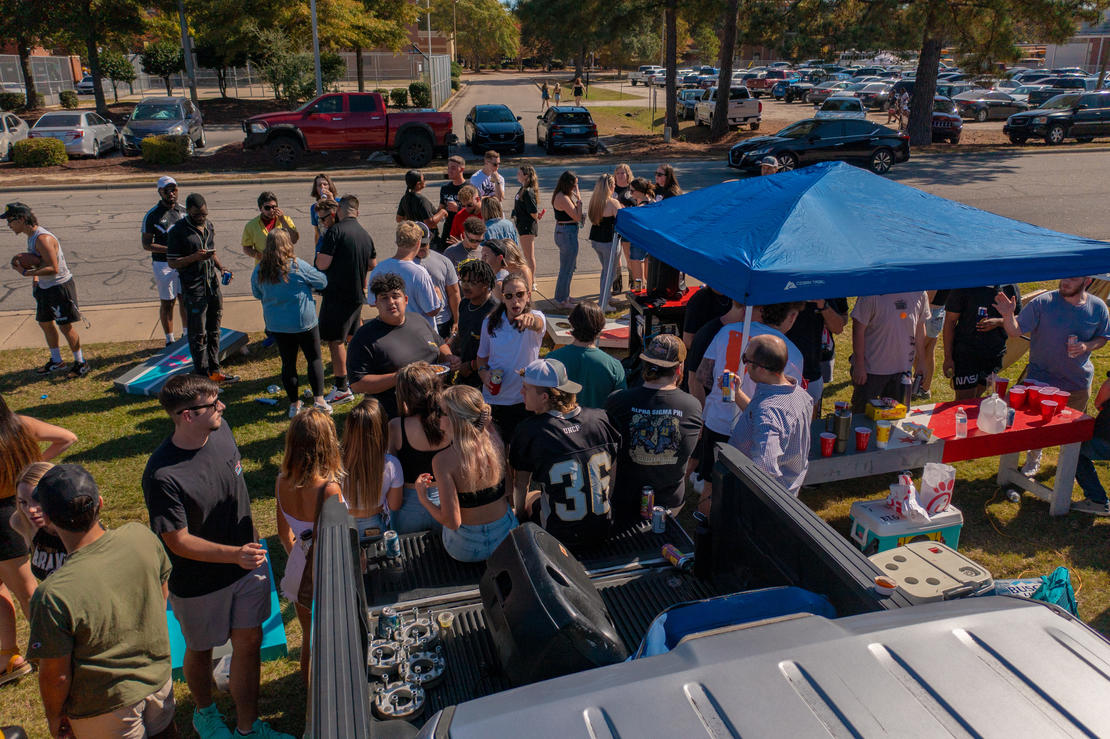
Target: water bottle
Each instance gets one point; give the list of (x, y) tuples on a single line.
[(961, 423)]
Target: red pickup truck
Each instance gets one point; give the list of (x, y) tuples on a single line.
[(762, 84), (351, 120)]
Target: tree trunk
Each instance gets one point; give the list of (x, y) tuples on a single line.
[(221, 81), (579, 60), (115, 92), (359, 69), (169, 86), (23, 46), (920, 126), (94, 70), (671, 19), (724, 79)]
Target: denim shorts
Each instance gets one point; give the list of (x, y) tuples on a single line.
[(935, 325), (412, 516), (476, 543), (637, 253), (362, 525)]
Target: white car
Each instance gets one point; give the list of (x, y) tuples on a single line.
[(841, 106), (742, 108), (643, 74), (1022, 93), (84, 133), (12, 129)]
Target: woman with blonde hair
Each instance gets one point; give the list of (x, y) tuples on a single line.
[(497, 225), (48, 552), (284, 284), (415, 437), (527, 215), (603, 220), (310, 473), (622, 178), (373, 479), (470, 475)]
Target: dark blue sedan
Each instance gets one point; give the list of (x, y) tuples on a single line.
[(493, 127)]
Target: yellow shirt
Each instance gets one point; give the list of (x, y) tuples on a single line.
[(254, 233)]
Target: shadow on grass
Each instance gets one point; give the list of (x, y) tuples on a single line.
[(105, 368)]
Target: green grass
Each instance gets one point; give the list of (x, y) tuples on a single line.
[(117, 433), (619, 119), (602, 94)]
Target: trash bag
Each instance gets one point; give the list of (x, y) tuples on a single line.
[(937, 483), (1057, 590)]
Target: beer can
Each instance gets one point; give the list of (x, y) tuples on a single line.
[(726, 386), (658, 519), (226, 279), (982, 311), (389, 621), (647, 502), (391, 543), (1072, 339), (677, 559)]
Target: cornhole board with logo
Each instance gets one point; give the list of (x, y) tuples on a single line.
[(613, 336), (273, 632), (149, 377)]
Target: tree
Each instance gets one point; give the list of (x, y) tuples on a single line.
[(24, 21), (95, 24), (486, 29), (163, 59), (117, 68)]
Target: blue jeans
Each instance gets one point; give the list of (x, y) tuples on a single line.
[(412, 516), (476, 543), (362, 525), (566, 238), (605, 254), (1085, 474)]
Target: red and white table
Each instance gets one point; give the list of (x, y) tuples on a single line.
[(1067, 430)]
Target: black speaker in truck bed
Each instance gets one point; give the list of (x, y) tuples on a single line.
[(545, 616)]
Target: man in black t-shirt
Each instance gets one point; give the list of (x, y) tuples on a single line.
[(974, 339), (449, 197), (155, 231), (389, 342), (346, 256), (191, 250), (659, 427), (476, 279), (569, 452), (705, 305), (817, 318), (220, 586)]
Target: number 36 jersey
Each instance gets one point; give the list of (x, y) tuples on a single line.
[(573, 459)]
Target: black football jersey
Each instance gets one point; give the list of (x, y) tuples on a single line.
[(573, 463)]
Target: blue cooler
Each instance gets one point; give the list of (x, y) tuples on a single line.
[(875, 527)]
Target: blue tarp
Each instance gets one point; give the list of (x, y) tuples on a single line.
[(834, 230)]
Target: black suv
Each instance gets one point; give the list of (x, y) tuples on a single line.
[(1053, 86), (1079, 116), (566, 125)]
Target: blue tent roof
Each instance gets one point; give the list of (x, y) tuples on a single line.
[(834, 230)]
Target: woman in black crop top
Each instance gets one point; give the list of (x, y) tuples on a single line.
[(470, 476), (415, 438), (603, 219)]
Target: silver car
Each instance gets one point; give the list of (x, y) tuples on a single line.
[(12, 129), (84, 133)]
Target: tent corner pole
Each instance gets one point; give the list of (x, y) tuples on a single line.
[(747, 329)]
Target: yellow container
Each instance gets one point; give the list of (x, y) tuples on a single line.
[(876, 413)]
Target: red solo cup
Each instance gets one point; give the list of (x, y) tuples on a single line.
[(1048, 409), (828, 440), (1017, 397), (863, 438), (1000, 385), (1061, 397), (1033, 398)]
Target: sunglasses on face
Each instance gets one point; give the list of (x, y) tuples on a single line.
[(660, 174), (269, 207), (513, 296), (752, 362), (195, 408), (473, 241)]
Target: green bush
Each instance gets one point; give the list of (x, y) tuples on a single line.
[(456, 70), (39, 101), (399, 97), (39, 152), (421, 94), (11, 100), (455, 84), (165, 149), (68, 99)]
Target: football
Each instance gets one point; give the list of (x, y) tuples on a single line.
[(26, 260)]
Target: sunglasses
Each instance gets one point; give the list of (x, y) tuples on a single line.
[(513, 296), (752, 362), (195, 408), (477, 240), (660, 174), (269, 207)]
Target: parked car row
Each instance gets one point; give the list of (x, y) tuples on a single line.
[(1080, 116), (808, 141)]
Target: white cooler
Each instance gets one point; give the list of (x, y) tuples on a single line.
[(928, 571)]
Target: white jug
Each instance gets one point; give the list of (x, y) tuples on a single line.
[(992, 415)]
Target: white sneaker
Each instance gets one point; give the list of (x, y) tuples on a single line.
[(322, 405), (339, 396), (1032, 463), (294, 409)]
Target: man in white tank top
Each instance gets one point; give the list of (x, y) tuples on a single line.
[(54, 289)]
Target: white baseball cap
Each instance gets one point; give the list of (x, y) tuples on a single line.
[(166, 180), (425, 232), (549, 373)]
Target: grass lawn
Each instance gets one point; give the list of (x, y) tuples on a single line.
[(117, 433), (619, 119), (596, 94)]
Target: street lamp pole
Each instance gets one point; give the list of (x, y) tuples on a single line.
[(316, 50)]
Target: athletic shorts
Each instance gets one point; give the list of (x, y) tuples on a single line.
[(207, 620), (152, 715), (57, 303), (709, 439), (339, 321), (973, 370), (166, 280), (637, 253), (935, 324), (12, 545)]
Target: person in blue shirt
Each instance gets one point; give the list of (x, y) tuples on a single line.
[(497, 225), (284, 284)]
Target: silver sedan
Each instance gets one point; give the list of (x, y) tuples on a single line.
[(84, 133)]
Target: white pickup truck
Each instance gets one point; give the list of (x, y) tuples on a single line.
[(742, 108), (644, 73)]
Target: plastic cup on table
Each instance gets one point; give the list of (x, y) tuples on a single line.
[(882, 433), (1017, 397), (1048, 409), (1000, 385), (828, 440), (1033, 398), (1061, 397), (863, 438)]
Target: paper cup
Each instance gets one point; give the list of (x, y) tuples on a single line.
[(828, 440), (1048, 409), (882, 433), (1017, 397), (863, 438)]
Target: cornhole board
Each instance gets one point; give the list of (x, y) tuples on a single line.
[(148, 377), (613, 336), (273, 632)]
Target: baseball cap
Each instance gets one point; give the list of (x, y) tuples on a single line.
[(665, 350), (549, 373), (770, 161), (16, 210), (166, 180), (495, 246), (425, 232), (61, 486)]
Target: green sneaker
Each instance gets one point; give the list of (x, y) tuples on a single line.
[(263, 730), (209, 723)]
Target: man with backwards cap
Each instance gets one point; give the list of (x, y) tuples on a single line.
[(569, 452), (768, 165), (156, 227), (98, 623)]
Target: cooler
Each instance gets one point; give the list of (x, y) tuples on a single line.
[(875, 527), (929, 571)]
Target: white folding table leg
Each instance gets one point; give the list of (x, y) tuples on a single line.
[(1065, 479)]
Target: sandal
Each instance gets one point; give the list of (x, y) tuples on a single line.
[(14, 668)]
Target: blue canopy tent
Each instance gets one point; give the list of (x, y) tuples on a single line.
[(833, 230)]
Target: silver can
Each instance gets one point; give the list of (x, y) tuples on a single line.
[(391, 543), (659, 519)]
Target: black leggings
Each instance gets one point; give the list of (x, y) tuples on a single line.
[(308, 343)]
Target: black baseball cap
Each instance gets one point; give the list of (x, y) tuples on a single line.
[(59, 489), (495, 246), (16, 210)]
